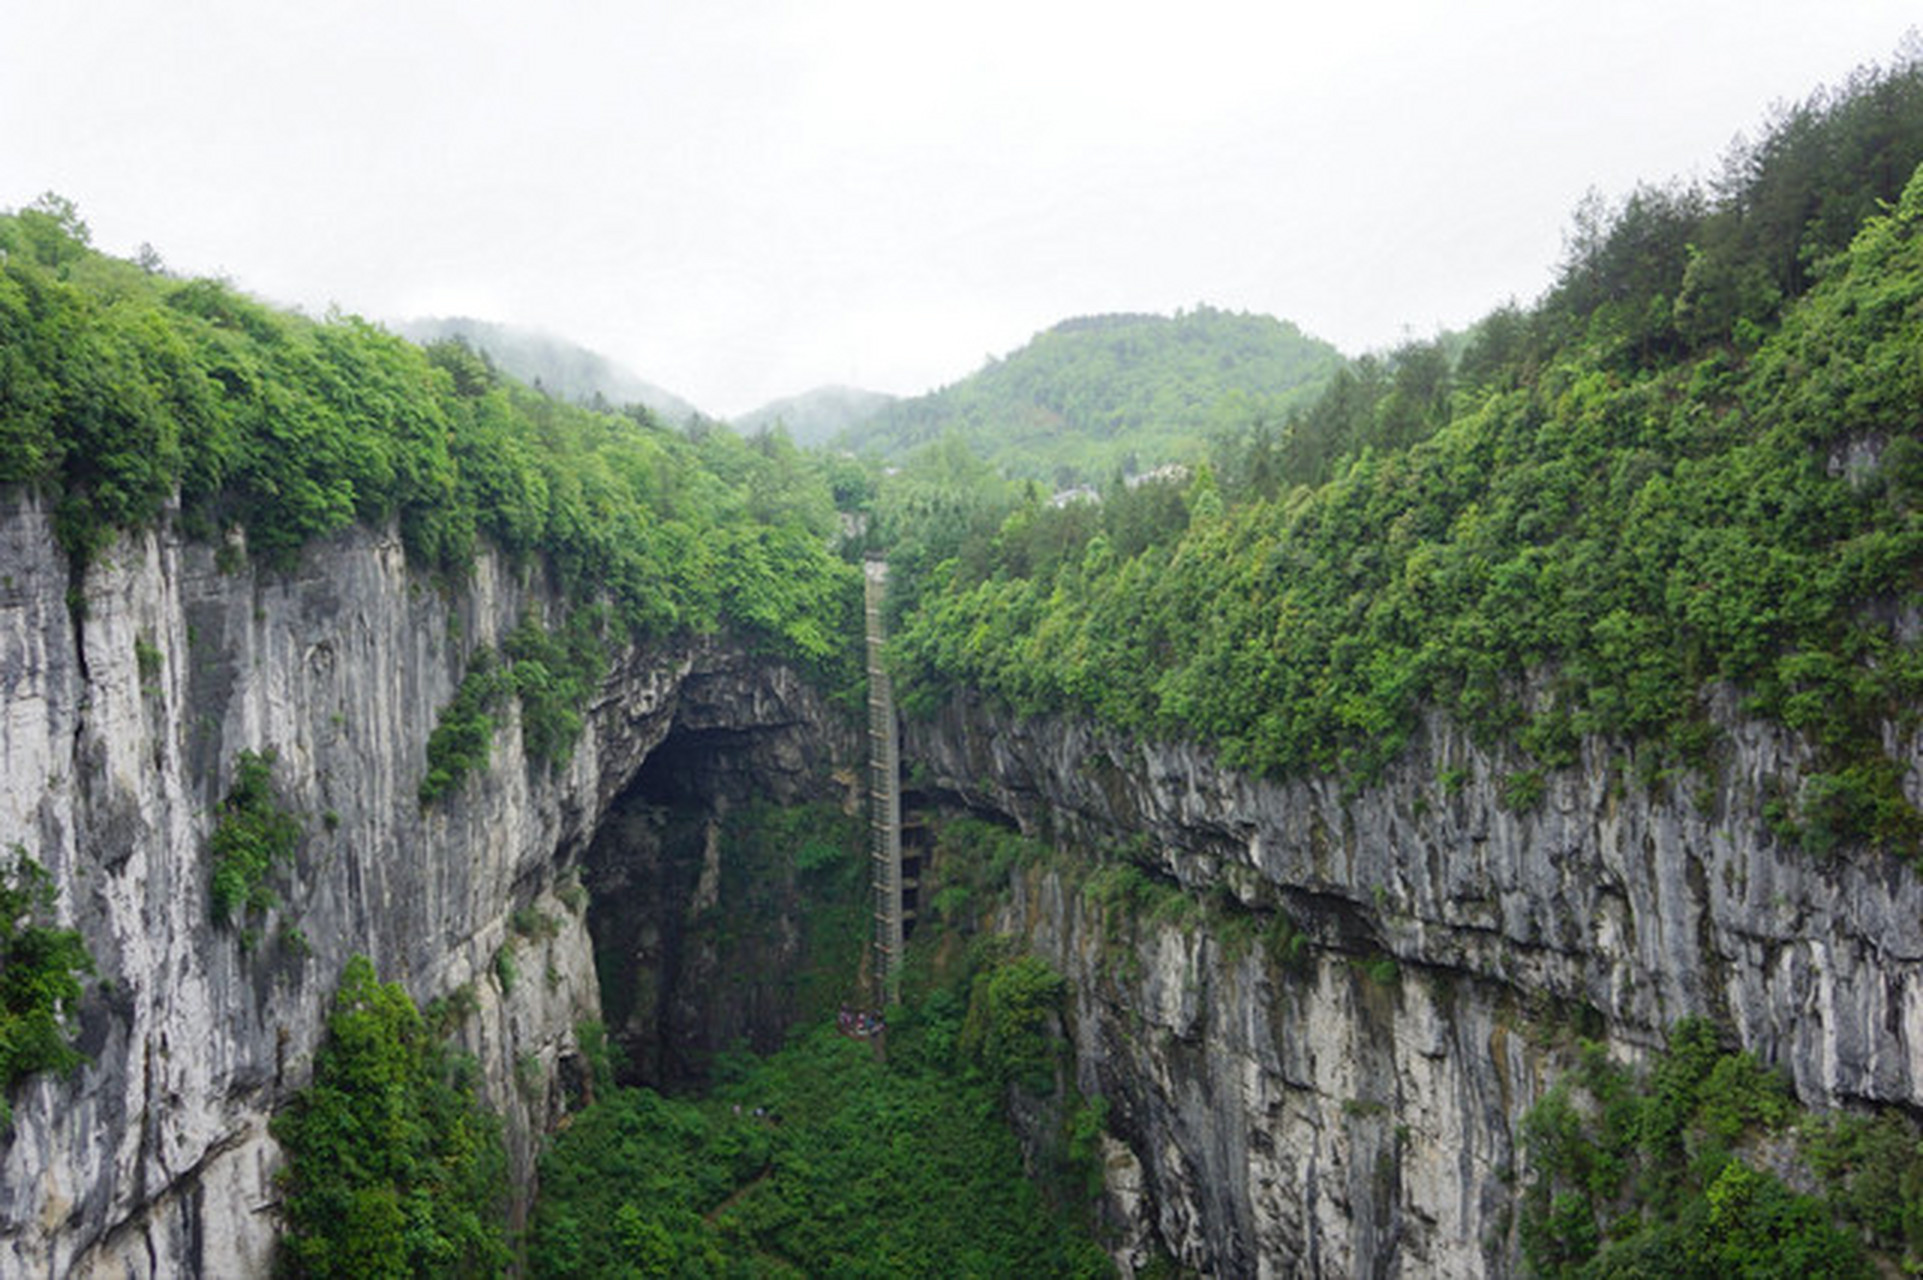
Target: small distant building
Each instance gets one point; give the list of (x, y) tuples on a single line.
[(1167, 473), (1069, 497)]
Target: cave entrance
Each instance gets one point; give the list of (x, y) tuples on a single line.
[(725, 903)]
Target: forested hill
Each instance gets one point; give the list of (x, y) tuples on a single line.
[(561, 368), (817, 416), (1694, 468), (1104, 392)]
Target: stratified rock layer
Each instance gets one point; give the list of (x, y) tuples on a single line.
[(1355, 1113)]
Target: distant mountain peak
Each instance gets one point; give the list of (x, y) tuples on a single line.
[(819, 415), (562, 368), (1127, 390)]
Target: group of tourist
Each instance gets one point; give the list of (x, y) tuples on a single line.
[(861, 1023)]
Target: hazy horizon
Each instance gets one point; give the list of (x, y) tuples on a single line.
[(742, 203)]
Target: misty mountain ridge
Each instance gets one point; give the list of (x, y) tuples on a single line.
[(562, 368), (817, 416), (1080, 399)]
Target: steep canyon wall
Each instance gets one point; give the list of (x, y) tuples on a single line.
[(1355, 1112), (119, 727), (1348, 1110)]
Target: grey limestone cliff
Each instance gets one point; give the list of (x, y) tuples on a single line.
[(1356, 1112), (1348, 1108), (120, 721)]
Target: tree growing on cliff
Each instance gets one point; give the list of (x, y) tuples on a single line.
[(393, 1168), (253, 836), (41, 968)]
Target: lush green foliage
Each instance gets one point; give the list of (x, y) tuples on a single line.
[(830, 1158), (1678, 270), (1579, 550), (120, 388), (392, 1167), (1871, 1171), (251, 837), (1128, 392), (41, 968), (1007, 1032), (551, 674), (1386, 401), (463, 736), (554, 674), (1658, 1173), (822, 1160)]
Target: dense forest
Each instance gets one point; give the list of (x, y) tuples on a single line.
[(1102, 394), (1693, 465)]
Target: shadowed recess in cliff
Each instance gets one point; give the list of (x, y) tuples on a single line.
[(719, 919)]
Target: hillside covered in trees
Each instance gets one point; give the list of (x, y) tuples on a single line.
[(1693, 464), (1682, 489), (1101, 393), (130, 396), (548, 363), (815, 417)]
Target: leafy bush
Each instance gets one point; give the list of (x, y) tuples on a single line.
[(253, 835), (554, 676), (1635, 1174), (41, 968), (392, 1166), (1009, 1031), (463, 736)]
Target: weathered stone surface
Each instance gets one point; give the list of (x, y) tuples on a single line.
[(1329, 1122), (155, 1159)]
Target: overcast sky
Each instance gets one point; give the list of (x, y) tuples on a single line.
[(742, 200)]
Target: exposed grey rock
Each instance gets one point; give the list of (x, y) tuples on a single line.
[(1340, 1117), (156, 1159), (1333, 1123)]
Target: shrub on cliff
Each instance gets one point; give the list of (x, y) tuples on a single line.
[(1663, 1172), (393, 1168), (253, 835), (41, 968)]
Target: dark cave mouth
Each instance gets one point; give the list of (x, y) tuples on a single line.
[(700, 928)]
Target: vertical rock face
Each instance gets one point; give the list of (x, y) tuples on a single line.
[(1354, 1111), (120, 722)]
